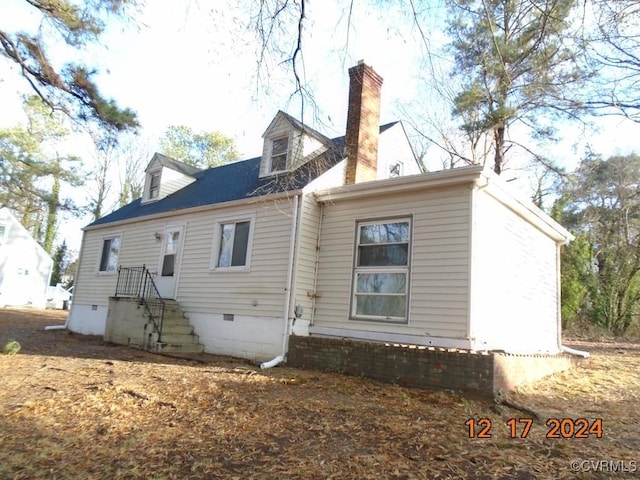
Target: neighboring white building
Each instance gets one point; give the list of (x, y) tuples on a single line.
[(343, 237), (25, 267)]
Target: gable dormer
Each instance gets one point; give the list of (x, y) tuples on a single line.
[(288, 144), (164, 176)]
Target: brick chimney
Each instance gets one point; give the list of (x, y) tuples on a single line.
[(363, 124)]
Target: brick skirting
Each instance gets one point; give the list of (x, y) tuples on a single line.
[(428, 367)]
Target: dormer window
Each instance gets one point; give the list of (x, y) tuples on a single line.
[(396, 170), (279, 151), (154, 185)]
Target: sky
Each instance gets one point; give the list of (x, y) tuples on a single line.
[(194, 63)]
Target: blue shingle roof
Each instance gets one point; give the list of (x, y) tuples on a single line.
[(226, 183), (234, 181)]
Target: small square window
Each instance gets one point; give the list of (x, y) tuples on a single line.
[(110, 253), (396, 170), (279, 150)]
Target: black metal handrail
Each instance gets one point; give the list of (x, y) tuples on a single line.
[(138, 282)]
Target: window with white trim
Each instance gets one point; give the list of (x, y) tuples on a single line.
[(110, 253), (154, 185), (3, 232), (279, 151), (381, 273), (232, 244)]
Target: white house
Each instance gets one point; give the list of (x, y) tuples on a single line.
[(25, 267), (342, 237)]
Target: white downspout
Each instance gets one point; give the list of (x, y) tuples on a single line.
[(287, 303)]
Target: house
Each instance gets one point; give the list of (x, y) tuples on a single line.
[(321, 239), (25, 267)]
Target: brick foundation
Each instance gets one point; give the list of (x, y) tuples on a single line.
[(427, 367)]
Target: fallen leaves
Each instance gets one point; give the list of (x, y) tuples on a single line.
[(73, 407)]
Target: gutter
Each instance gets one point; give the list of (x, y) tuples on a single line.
[(287, 304), (456, 176)]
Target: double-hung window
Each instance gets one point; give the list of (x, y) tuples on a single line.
[(110, 253), (381, 273), (232, 244), (279, 150), (154, 185)]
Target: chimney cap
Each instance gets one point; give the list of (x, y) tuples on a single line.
[(361, 62)]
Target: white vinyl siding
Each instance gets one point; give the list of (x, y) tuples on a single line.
[(260, 292), (439, 280), (307, 255), (515, 283)]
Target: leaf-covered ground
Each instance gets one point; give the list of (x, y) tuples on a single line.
[(73, 407)]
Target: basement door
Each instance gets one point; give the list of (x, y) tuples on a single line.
[(167, 279)]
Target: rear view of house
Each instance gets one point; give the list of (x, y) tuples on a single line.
[(320, 238)]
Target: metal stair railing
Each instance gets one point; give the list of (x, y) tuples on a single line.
[(138, 282)]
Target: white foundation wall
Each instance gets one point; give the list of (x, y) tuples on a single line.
[(253, 338), (87, 319)]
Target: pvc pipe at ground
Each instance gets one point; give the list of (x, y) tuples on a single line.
[(272, 363), (573, 351)]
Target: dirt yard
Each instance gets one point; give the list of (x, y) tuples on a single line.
[(74, 407)]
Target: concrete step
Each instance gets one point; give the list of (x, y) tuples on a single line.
[(179, 338), (179, 348), (169, 327), (177, 332), (174, 320)]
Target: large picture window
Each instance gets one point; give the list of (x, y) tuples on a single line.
[(232, 244), (110, 253), (381, 274)]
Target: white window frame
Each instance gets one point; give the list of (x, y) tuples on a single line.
[(102, 242), (217, 241), (5, 232), (148, 185), (287, 138), (390, 269)]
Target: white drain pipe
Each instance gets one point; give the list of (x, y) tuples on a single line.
[(573, 351), (287, 303)]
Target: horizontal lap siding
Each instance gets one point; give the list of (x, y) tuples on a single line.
[(306, 255), (515, 281), (439, 268), (200, 289), (204, 291), (138, 247)]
